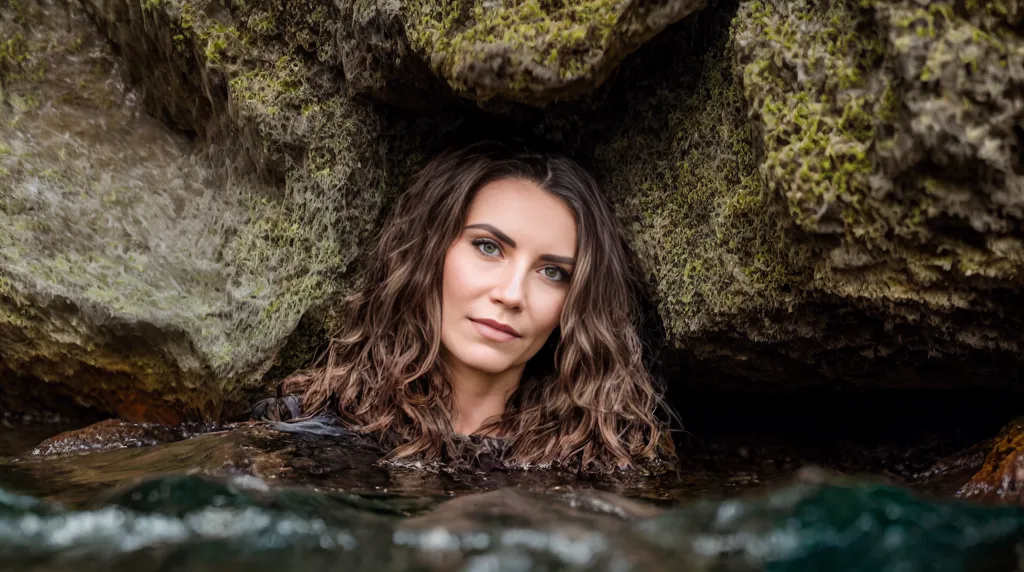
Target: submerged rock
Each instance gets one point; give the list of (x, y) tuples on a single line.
[(113, 434), (1001, 477)]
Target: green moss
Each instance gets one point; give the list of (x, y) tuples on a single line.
[(563, 39), (862, 106), (532, 50), (995, 13), (218, 38), (715, 241), (305, 26), (817, 129), (13, 56)]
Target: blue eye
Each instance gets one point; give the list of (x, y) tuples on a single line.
[(487, 247)]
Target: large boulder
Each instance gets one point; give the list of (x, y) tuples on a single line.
[(830, 194), (151, 274), (533, 52), (418, 53)]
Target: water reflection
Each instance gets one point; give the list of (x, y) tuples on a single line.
[(254, 497), (198, 523)]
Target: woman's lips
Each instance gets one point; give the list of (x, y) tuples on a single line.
[(492, 333)]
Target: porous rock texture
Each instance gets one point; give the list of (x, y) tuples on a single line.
[(822, 194), (831, 195), (533, 51), (143, 274), (1001, 477)]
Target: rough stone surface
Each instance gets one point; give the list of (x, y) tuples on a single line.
[(828, 194), (111, 434), (822, 194), (535, 51), (1001, 478), (142, 273)]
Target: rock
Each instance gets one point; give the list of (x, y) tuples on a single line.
[(822, 194), (1001, 478), (113, 434), (378, 62), (830, 193), (148, 274), (533, 52)]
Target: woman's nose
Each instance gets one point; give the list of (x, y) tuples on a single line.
[(509, 288)]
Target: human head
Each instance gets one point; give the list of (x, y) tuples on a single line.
[(511, 263), (585, 394)]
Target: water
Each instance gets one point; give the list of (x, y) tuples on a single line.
[(251, 497), (188, 522)]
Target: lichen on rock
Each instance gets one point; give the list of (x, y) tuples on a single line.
[(894, 127), (682, 169), (533, 51), (812, 204), (823, 193), (145, 274)]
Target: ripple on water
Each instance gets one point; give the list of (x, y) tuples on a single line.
[(199, 523)]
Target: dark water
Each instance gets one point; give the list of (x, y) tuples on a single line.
[(252, 498), (197, 523)]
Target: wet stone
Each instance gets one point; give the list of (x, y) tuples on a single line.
[(1001, 477), (115, 434)]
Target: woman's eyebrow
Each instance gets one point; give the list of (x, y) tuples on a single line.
[(555, 258), (508, 240), (494, 230)]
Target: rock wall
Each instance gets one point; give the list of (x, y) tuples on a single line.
[(822, 195)]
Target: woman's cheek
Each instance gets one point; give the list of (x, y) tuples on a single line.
[(551, 310), (466, 268)]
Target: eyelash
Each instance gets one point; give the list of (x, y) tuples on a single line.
[(481, 241)]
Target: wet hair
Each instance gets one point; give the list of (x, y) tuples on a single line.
[(585, 399)]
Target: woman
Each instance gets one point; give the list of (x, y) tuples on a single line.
[(497, 302)]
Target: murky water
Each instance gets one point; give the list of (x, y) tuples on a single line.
[(251, 497)]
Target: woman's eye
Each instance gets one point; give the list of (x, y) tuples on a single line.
[(555, 273), (487, 247)]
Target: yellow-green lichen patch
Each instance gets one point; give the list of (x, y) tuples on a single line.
[(530, 50), (154, 277), (807, 74), (873, 114), (306, 26), (993, 13), (717, 243)]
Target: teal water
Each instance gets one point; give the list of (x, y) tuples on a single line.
[(189, 522), (124, 497)]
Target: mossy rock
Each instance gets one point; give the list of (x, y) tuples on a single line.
[(532, 51), (827, 194), (894, 133), (154, 275), (822, 194)]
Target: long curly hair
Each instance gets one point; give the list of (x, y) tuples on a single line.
[(585, 400)]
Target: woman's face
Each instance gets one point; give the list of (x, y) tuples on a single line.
[(508, 270)]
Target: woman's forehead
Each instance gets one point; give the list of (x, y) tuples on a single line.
[(525, 212)]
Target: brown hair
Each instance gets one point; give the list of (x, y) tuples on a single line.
[(585, 399)]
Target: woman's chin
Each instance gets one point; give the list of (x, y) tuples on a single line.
[(486, 360)]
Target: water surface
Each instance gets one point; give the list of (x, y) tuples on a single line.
[(250, 497)]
